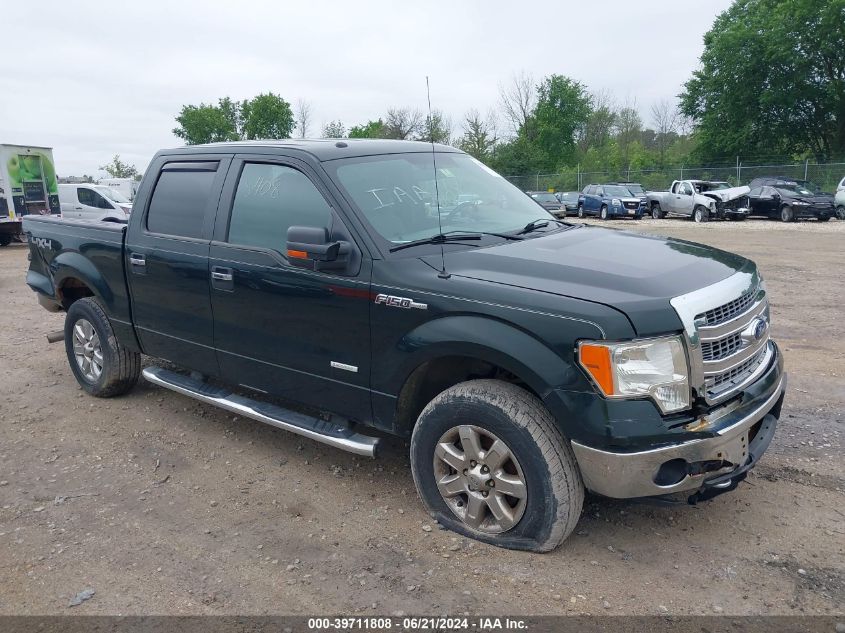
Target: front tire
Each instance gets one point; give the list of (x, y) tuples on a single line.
[(700, 215), (603, 213), (581, 211), (656, 212), (787, 214), (102, 366), (840, 212), (485, 431)]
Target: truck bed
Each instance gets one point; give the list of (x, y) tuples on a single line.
[(79, 256)]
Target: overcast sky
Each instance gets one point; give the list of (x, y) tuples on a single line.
[(95, 79)]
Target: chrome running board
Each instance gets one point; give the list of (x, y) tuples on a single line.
[(339, 435)]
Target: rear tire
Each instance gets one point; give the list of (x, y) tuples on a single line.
[(787, 214), (455, 438), (700, 215), (581, 211), (103, 367)]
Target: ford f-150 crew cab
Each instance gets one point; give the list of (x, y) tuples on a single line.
[(315, 286)]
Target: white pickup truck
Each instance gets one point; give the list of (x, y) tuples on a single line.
[(700, 200)]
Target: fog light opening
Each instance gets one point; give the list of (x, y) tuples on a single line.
[(672, 472)]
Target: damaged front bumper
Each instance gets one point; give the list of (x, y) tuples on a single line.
[(710, 465)]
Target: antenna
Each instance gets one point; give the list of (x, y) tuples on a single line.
[(442, 274)]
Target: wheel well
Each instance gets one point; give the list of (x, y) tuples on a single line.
[(72, 290), (437, 375)]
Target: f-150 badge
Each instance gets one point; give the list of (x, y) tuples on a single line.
[(400, 302)]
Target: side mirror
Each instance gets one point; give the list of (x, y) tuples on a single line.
[(309, 247)]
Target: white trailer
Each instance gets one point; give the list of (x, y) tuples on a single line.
[(127, 186), (28, 186)]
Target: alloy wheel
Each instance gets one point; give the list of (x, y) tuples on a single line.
[(480, 479), (87, 350)]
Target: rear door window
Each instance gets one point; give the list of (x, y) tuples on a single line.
[(180, 199)]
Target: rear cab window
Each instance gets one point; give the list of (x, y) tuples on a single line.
[(180, 198)]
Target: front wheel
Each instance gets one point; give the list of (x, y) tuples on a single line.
[(656, 212), (102, 366), (700, 215), (787, 214), (840, 212), (580, 210), (489, 463), (603, 213)]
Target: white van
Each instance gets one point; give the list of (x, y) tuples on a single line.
[(127, 186), (94, 202)]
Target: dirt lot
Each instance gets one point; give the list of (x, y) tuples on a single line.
[(162, 505)]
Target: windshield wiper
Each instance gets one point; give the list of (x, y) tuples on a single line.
[(454, 236), (539, 224)]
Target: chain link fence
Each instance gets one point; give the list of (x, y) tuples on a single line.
[(825, 175)]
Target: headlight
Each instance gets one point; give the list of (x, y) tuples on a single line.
[(801, 203), (616, 202), (655, 368)]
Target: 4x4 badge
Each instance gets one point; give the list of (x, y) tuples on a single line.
[(400, 302)]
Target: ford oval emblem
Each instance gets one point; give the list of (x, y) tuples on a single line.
[(760, 329)]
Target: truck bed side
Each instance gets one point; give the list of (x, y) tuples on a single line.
[(72, 259)]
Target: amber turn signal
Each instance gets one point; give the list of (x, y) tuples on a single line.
[(596, 360), (298, 254)]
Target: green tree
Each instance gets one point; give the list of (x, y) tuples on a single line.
[(267, 116), (437, 128), (370, 129), (479, 137), (563, 108), (772, 80), (402, 123), (334, 129), (208, 123), (118, 169)]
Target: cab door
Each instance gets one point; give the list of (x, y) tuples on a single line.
[(683, 200), (298, 334)]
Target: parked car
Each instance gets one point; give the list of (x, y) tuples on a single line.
[(548, 201), (525, 358), (839, 201), (610, 201), (700, 200), (789, 199), (94, 202), (841, 185), (570, 200)]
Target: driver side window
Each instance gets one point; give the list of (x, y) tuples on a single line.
[(685, 189), (270, 199)]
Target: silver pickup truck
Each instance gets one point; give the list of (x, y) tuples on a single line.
[(700, 200)]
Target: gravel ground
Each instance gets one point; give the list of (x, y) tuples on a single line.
[(161, 505)]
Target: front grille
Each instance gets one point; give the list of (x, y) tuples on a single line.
[(722, 348), (632, 205), (729, 310), (718, 383)]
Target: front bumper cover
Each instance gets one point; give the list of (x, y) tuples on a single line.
[(716, 463)]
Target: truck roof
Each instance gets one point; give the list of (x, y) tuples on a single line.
[(321, 149)]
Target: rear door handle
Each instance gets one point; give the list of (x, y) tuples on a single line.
[(221, 278)]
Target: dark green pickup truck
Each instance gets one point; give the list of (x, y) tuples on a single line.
[(331, 287)]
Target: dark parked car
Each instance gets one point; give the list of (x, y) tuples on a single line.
[(548, 201), (789, 199), (570, 200), (610, 201), (313, 286)]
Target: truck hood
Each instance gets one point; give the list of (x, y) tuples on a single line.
[(726, 195), (636, 274)]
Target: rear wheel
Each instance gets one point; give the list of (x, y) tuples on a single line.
[(580, 210), (603, 213), (787, 214), (102, 366), (700, 214), (489, 462)]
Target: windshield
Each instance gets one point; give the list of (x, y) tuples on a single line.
[(544, 197), (797, 188), (571, 196), (635, 189), (396, 194), (616, 190), (113, 195)]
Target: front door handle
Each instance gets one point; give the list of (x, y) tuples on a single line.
[(137, 260), (221, 278)]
